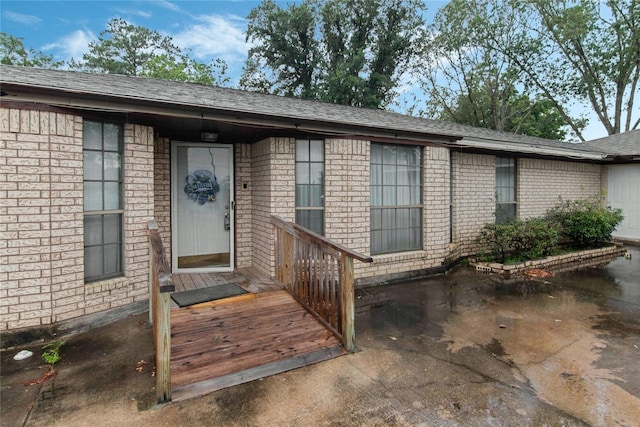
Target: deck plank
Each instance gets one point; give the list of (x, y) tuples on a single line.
[(224, 344)]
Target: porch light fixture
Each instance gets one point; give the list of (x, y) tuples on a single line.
[(209, 136)]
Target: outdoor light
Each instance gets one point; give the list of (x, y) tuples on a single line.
[(209, 136)]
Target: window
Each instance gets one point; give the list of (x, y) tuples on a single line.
[(505, 190), (310, 184), (396, 198), (102, 149)]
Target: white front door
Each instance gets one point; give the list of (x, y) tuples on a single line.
[(202, 207)]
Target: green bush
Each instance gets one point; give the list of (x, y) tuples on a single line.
[(520, 240), (497, 239), (534, 238), (585, 223)]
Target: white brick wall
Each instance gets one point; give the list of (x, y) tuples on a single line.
[(41, 220), (244, 205), (272, 193), (473, 193), (541, 184)]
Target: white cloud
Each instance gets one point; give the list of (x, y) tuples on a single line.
[(215, 36), (129, 12), (168, 5), (72, 45), (21, 18)]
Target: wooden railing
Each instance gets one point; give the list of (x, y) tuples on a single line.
[(160, 287), (319, 274)]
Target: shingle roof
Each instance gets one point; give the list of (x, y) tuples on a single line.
[(627, 143), (138, 90)]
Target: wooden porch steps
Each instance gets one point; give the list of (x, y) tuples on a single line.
[(229, 344)]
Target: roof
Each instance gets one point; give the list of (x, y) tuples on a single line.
[(627, 143), (128, 91)]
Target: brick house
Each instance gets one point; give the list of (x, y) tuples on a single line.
[(88, 159)]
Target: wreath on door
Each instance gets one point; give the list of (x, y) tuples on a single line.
[(202, 186)]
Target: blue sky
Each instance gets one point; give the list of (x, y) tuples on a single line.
[(211, 29), (64, 29)]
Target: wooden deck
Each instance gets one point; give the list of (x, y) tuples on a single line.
[(230, 343)]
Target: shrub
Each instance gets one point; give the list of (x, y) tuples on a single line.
[(497, 239), (533, 238), (519, 240), (586, 222)]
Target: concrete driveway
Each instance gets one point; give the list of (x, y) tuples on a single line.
[(456, 350)]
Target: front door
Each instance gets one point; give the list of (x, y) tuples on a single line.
[(201, 207)]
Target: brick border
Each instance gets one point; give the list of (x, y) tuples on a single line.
[(557, 263)]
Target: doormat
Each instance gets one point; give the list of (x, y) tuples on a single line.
[(197, 296)]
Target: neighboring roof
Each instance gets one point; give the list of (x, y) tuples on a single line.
[(129, 91), (626, 144)]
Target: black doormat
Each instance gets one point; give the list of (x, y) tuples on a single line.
[(197, 296)]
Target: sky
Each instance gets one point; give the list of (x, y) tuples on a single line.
[(209, 28)]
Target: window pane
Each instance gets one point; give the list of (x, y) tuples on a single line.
[(111, 259), (112, 137), (389, 154), (389, 174), (416, 218), (111, 195), (376, 219), (505, 213), (404, 195), (302, 195), (415, 196), (92, 165), (316, 173), (112, 166), (316, 149), (376, 242), (312, 220), (92, 230), (389, 195), (93, 262), (315, 222), (376, 174), (388, 219), (92, 135), (93, 196), (112, 228), (376, 196), (315, 196), (376, 154), (302, 150), (402, 217), (302, 173), (403, 175)]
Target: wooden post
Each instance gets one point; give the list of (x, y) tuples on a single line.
[(151, 281), (163, 348), (348, 304), (287, 243)]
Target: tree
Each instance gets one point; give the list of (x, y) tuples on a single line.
[(13, 52), (499, 106), (567, 51), (350, 52), (123, 48)]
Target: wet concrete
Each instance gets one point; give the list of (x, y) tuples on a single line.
[(455, 350), (572, 341)]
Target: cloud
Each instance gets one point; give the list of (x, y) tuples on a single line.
[(72, 45), (30, 20), (215, 36), (168, 5), (128, 12)]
